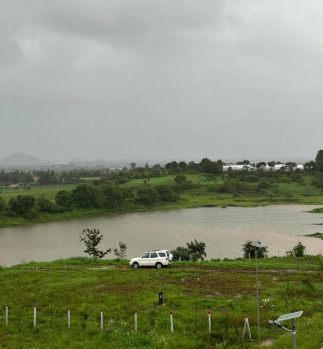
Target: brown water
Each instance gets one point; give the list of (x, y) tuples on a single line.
[(223, 230)]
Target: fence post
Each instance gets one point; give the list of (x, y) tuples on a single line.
[(7, 314), (171, 322), (101, 320), (209, 316), (68, 318), (136, 321), (35, 316)]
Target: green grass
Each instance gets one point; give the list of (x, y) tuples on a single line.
[(226, 288), (49, 191)]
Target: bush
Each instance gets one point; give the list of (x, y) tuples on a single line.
[(194, 251), (297, 251)]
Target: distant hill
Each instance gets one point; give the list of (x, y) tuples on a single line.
[(19, 159)]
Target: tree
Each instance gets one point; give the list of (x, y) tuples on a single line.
[(3, 204), (121, 253), (196, 250), (111, 196), (182, 182), (209, 166), (249, 250), (64, 199), (271, 164), (319, 160), (244, 162), (261, 164), (85, 195), (183, 165), (22, 204), (166, 193), (310, 166), (45, 205), (181, 254), (147, 196), (291, 165), (298, 250), (92, 238)]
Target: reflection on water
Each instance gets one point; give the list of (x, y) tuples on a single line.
[(223, 230)]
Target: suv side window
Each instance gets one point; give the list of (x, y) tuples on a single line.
[(153, 255), (162, 254), (146, 255)]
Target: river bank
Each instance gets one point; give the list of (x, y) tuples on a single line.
[(186, 203)]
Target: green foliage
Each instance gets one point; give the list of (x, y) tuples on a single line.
[(46, 177), (22, 204), (85, 195), (319, 160), (45, 205), (249, 250), (147, 196), (92, 238), (111, 196), (182, 182), (64, 200), (194, 251), (299, 249), (181, 254), (208, 166), (3, 204), (166, 193), (121, 252), (310, 166)]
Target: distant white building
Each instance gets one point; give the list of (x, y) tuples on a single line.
[(235, 167)]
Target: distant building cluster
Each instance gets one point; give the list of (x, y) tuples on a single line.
[(251, 167)]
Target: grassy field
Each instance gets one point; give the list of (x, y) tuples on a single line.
[(190, 290), (49, 191)]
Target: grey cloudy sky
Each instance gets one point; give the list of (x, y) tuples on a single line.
[(143, 79)]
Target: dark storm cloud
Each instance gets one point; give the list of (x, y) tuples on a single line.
[(151, 79)]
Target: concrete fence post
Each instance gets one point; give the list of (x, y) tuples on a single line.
[(7, 314), (35, 316), (101, 311), (68, 318), (136, 321), (210, 326), (171, 322)]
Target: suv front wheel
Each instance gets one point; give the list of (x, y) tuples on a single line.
[(135, 265), (159, 265)]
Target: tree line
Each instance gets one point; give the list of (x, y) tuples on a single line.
[(125, 174), (108, 196)]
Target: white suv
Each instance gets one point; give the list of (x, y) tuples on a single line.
[(153, 258)]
